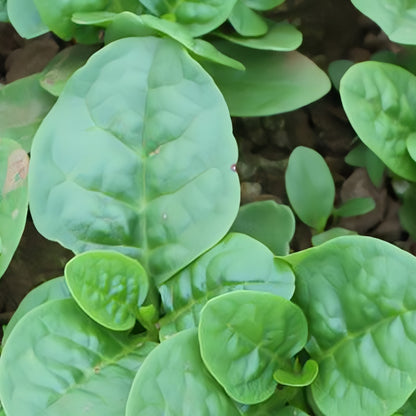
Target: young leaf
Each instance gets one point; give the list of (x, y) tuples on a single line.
[(395, 17), (108, 286), (297, 377), (245, 337), (273, 82), (247, 22), (23, 105), (50, 290), (355, 206), (25, 18), (173, 381), (14, 165), (57, 361), (268, 222), (359, 296), (198, 16), (139, 153), (55, 75), (380, 102), (310, 187), (281, 36), (263, 4), (237, 262)]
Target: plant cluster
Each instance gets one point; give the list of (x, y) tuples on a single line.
[(178, 301)]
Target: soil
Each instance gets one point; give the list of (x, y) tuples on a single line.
[(332, 30)]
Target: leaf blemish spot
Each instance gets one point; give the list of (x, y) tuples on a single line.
[(164, 216), (17, 169), (155, 152), (234, 167)]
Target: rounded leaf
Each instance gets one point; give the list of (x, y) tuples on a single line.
[(304, 377), (108, 286), (245, 337), (273, 82), (310, 187), (173, 381), (237, 262), (141, 163), (359, 296), (14, 165), (246, 21), (380, 102), (57, 361), (25, 18)]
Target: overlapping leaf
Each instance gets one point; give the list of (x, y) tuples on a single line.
[(359, 296), (141, 163)]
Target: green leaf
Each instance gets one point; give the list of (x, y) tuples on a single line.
[(25, 18), (14, 165), (237, 262), (50, 290), (310, 187), (359, 296), (407, 211), (149, 156), (380, 102), (409, 408), (274, 82), (245, 337), (58, 18), (355, 206), (247, 22), (290, 411), (337, 69), (297, 377), (362, 156), (198, 16), (281, 36), (57, 361), (108, 286), (55, 75), (3, 13), (268, 222), (173, 381), (23, 105), (335, 232), (395, 17), (263, 4)]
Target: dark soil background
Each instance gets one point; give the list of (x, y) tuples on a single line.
[(332, 30)]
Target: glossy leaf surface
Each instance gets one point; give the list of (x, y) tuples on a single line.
[(245, 336), (380, 102), (14, 165), (237, 262), (268, 222), (173, 381), (62, 66), (25, 18), (108, 286), (198, 16), (280, 36), (148, 156), (395, 17), (359, 296), (274, 82), (57, 361), (50, 290), (23, 105), (310, 187)]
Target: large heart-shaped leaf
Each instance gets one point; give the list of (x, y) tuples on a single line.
[(237, 262), (173, 381), (23, 105), (50, 290), (57, 361), (198, 16), (109, 286), (274, 82), (137, 156), (359, 296), (25, 18), (14, 165), (245, 336), (380, 102), (395, 17)]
